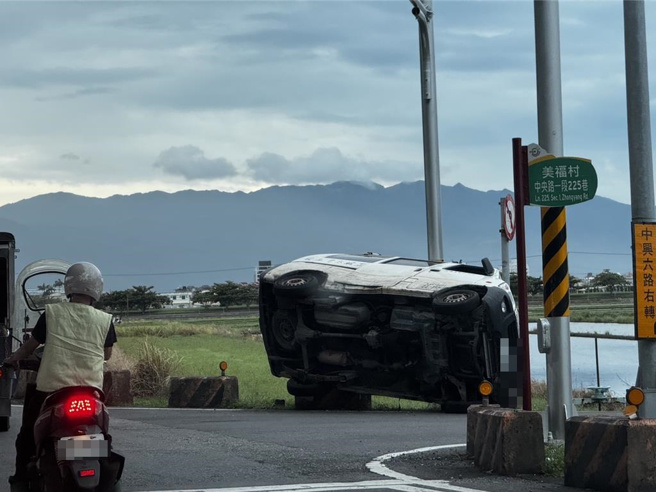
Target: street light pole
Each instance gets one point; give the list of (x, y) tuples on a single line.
[(641, 167), (423, 12)]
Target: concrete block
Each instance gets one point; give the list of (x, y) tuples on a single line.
[(641, 455), (209, 392), (117, 388), (472, 422), (596, 453), (505, 441)]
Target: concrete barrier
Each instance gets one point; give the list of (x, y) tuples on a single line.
[(610, 454), (209, 392), (641, 456), (117, 388), (505, 441)]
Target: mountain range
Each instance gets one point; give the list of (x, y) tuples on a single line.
[(169, 240)]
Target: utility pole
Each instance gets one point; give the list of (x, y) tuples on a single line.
[(554, 233), (641, 170), (423, 12)]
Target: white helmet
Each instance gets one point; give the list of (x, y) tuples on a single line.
[(83, 278)]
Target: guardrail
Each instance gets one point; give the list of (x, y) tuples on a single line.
[(600, 393)]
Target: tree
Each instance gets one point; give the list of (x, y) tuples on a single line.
[(185, 288), (138, 297), (204, 298), (575, 283), (46, 290), (533, 284), (144, 298), (228, 294), (117, 300), (609, 280)]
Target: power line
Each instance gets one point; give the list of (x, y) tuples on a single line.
[(175, 273), (162, 274)]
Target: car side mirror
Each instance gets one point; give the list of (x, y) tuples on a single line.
[(488, 269)]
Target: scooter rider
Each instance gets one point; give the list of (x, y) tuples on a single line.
[(77, 340)]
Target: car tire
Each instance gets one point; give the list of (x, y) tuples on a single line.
[(295, 388), (455, 406), (296, 284), (331, 398), (4, 424), (283, 327), (456, 301)]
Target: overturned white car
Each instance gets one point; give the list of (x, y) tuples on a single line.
[(341, 326)]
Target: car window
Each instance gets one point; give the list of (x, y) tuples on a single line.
[(409, 262), (361, 259)]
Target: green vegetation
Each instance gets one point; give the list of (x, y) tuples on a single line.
[(199, 346), (227, 294), (194, 347), (599, 307), (139, 297), (554, 459)]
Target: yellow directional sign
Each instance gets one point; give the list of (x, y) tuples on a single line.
[(644, 279)]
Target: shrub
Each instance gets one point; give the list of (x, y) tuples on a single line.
[(119, 361), (153, 368)]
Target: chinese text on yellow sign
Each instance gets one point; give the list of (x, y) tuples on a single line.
[(644, 269)]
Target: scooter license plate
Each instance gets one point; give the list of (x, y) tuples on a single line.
[(79, 447)]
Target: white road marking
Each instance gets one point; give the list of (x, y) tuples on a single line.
[(377, 466), (398, 481)]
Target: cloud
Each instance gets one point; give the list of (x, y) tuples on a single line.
[(70, 156), (190, 163), (326, 165), (67, 76), (90, 91)]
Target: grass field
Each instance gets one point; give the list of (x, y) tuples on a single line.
[(201, 344)]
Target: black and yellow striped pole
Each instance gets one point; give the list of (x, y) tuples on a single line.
[(554, 262)]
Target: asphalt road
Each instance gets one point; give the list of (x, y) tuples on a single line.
[(285, 450)]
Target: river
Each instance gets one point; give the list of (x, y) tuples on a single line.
[(618, 359)]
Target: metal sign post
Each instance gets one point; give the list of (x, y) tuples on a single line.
[(520, 160), (554, 230), (641, 170), (423, 12)]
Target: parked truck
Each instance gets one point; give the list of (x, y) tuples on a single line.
[(8, 341)]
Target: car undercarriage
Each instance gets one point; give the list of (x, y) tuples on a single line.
[(434, 348)]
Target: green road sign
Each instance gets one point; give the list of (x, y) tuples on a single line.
[(561, 181)]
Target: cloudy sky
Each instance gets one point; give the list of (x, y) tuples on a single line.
[(123, 97)]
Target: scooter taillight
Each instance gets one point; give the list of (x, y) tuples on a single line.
[(80, 406)]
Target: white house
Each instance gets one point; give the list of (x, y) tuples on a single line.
[(178, 299)]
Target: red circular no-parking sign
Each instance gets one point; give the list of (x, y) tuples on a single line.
[(509, 217)]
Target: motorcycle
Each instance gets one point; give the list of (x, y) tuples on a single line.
[(73, 444)]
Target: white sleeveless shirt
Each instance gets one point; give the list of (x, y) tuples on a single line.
[(74, 349)]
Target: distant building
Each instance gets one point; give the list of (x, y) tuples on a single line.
[(178, 299), (262, 266)]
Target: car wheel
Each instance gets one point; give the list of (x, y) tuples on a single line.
[(330, 398), (283, 326), (456, 301), (296, 284), (455, 406), (4, 424), (295, 388)]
